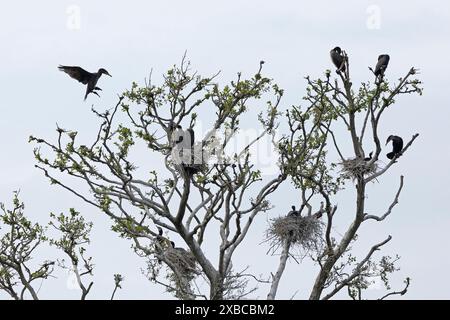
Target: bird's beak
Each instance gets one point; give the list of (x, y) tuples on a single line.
[(107, 73)]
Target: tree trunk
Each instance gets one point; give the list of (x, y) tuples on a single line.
[(216, 289), (340, 250), (277, 277)]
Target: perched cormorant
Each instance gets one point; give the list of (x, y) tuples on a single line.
[(293, 212), (181, 250), (162, 242), (85, 77), (160, 237), (383, 61), (338, 59), (397, 146), (369, 157)]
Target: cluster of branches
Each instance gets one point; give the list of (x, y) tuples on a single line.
[(20, 239), (333, 104), (226, 194), (153, 208)]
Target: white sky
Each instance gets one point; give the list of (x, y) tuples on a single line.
[(294, 38)]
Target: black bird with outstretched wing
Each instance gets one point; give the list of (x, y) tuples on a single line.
[(85, 77), (397, 146)]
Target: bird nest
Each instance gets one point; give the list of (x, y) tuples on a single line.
[(183, 269), (183, 261), (357, 167), (190, 169), (192, 166), (304, 232)]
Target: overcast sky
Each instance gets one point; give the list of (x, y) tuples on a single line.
[(294, 38)]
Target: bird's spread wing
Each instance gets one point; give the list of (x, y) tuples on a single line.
[(77, 73)]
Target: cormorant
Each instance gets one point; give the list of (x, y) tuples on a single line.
[(369, 157), (383, 61), (338, 59), (85, 77), (293, 212), (397, 146), (163, 242)]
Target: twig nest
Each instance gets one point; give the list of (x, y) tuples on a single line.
[(190, 161), (194, 168), (305, 232), (357, 167), (183, 270), (182, 260)]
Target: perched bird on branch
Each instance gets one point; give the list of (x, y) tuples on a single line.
[(338, 59), (180, 250), (397, 146), (163, 243), (383, 61), (293, 212), (85, 77), (185, 259), (369, 157)]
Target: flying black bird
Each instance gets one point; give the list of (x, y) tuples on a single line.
[(383, 61), (293, 212), (85, 77), (338, 59), (397, 146), (369, 157)]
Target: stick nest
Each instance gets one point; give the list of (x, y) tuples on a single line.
[(304, 232), (193, 168), (195, 165), (357, 167), (183, 261)]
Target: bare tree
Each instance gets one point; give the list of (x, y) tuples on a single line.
[(221, 191), (75, 233), (18, 242), (314, 159), (21, 239), (118, 279), (166, 213)]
